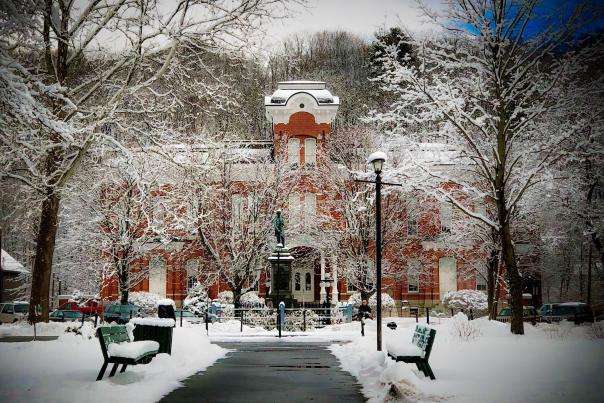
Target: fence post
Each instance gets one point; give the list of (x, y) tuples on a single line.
[(427, 315), (96, 318), (282, 316), (279, 321), (362, 325), (349, 313), (471, 314), (241, 317), (83, 317), (207, 330), (214, 309), (304, 318), (417, 315), (181, 317)]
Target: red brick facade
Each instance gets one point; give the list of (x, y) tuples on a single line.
[(304, 118)]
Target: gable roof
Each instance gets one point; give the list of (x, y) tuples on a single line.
[(9, 264)]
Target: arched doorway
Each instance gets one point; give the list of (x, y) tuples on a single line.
[(306, 273)]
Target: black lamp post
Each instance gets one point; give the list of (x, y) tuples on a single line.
[(377, 159)]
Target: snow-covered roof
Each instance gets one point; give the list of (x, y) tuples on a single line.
[(572, 304), (295, 96), (286, 89), (378, 155), (11, 265)]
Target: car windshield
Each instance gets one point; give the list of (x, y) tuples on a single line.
[(56, 314), (72, 314), (21, 308), (505, 312)]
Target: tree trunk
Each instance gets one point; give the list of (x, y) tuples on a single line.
[(491, 275), (589, 263), (123, 282), (514, 279), (45, 246)]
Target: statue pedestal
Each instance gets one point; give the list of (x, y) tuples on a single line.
[(281, 273)]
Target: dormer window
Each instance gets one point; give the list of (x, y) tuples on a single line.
[(278, 100)]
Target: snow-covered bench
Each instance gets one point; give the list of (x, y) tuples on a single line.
[(418, 352), (118, 349)]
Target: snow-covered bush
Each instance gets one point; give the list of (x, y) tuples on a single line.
[(196, 300), (251, 299), (462, 328), (265, 318), (294, 320), (85, 330), (596, 330), (466, 300), (387, 301), (355, 299), (225, 297), (147, 301)]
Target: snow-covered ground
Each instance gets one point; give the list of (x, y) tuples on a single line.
[(64, 370), (550, 363)]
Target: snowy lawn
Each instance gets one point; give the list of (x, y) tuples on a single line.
[(65, 370), (548, 364)]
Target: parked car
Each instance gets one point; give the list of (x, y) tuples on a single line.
[(121, 313), (90, 307), (529, 314), (64, 315), (546, 309), (189, 316), (11, 312), (577, 312)]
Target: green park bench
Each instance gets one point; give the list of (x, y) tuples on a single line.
[(418, 352), (118, 349)]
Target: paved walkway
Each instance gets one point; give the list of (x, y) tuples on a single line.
[(271, 372)]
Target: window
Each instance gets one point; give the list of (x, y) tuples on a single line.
[(310, 208), (310, 151), (192, 269), (297, 282), (308, 282), (445, 217), (159, 213), (293, 152), (413, 270), (294, 207), (237, 206), (481, 282), (412, 226)]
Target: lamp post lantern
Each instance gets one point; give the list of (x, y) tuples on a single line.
[(377, 159)]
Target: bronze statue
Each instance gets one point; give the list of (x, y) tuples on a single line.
[(278, 225)]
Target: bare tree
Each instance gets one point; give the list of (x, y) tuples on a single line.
[(490, 89), (62, 87)]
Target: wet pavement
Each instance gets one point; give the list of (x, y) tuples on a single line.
[(277, 371)]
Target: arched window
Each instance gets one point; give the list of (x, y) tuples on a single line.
[(293, 152), (413, 270), (192, 268), (308, 284), (310, 208), (297, 279), (310, 151)]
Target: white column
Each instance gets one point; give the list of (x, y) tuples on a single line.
[(323, 293), (334, 276)]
